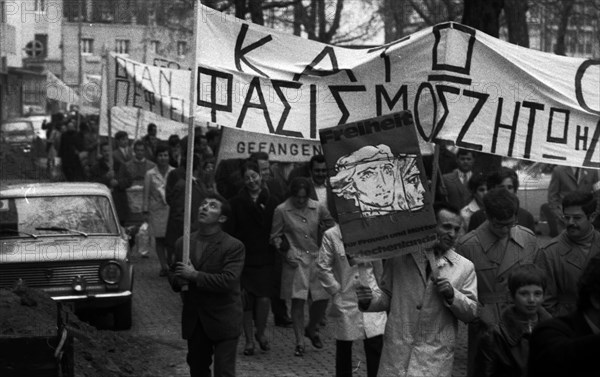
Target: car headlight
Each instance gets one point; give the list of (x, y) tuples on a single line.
[(110, 273)]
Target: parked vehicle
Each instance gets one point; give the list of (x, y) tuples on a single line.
[(18, 134), (65, 239)]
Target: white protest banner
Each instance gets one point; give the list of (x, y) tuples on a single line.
[(236, 144), (158, 90), (142, 94), (57, 90), (166, 62), (461, 85)]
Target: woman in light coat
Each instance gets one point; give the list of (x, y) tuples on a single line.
[(301, 220), (155, 206), (340, 278)]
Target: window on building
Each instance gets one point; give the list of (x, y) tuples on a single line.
[(87, 46), (181, 48), (122, 46), (154, 46), (38, 47), (588, 47)]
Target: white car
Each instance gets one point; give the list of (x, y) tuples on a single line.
[(65, 239)]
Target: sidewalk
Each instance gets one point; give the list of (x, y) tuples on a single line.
[(157, 313)]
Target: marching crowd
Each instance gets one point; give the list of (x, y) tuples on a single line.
[(265, 235)]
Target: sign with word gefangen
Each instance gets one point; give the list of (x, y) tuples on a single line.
[(461, 85)]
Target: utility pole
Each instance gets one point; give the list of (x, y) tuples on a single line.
[(79, 56)]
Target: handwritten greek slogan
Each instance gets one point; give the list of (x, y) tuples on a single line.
[(139, 94), (379, 186), (159, 90), (460, 84)]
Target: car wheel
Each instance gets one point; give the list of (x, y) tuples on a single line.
[(122, 316)]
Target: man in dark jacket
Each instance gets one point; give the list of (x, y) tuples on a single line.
[(565, 257), (568, 346), (114, 178), (212, 305)]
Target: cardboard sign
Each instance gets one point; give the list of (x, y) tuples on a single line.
[(380, 188), (240, 144)]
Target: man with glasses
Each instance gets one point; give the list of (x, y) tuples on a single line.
[(507, 179), (566, 256), (496, 247)]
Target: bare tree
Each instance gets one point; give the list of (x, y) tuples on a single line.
[(516, 22), (394, 19), (566, 9), (483, 15)]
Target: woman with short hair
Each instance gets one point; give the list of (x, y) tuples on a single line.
[(300, 222)]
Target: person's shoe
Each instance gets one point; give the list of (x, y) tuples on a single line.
[(249, 351), (283, 322), (315, 340), (263, 344), (299, 351)]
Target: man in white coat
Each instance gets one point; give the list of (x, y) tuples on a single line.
[(340, 278), (425, 294)]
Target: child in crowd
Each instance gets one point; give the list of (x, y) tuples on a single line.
[(505, 347)]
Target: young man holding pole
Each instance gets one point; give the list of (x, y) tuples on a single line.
[(212, 307)]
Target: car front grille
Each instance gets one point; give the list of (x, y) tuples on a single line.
[(49, 274)]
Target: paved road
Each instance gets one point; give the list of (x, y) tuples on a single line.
[(157, 313)]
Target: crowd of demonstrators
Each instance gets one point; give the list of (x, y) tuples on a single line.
[(485, 278), (282, 245)]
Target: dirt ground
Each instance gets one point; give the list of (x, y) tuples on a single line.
[(97, 353)]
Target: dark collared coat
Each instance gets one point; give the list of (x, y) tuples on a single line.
[(493, 265), (564, 346), (458, 192), (505, 349), (213, 301), (564, 262)]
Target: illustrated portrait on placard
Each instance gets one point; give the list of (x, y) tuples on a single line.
[(378, 182)]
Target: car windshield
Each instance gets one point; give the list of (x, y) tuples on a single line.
[(56, 215), (17, 127)]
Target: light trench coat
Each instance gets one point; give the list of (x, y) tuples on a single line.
[(154, 201), (340, 280), (421, 330), (303, 229)]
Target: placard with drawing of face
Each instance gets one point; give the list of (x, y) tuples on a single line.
[(379, 187), (378, 182)]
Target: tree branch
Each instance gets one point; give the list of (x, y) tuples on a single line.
[(421, 12)]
